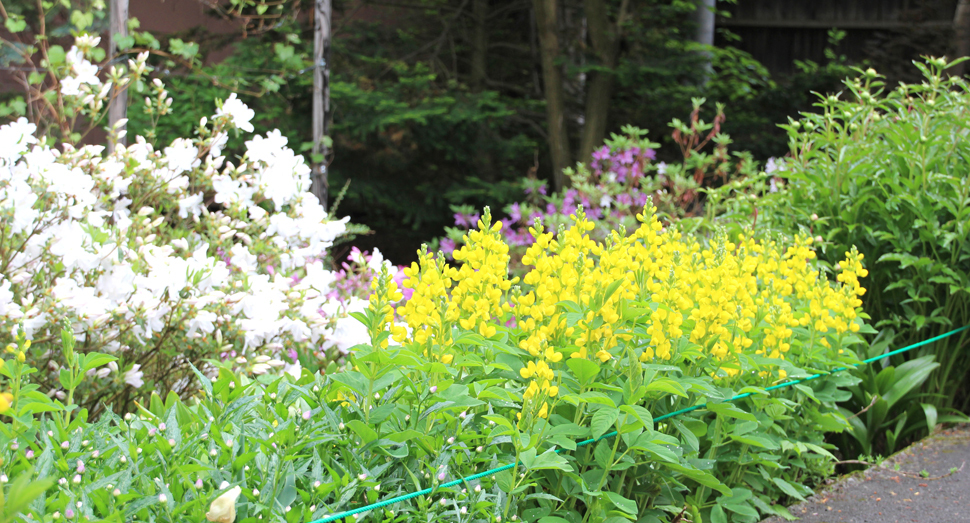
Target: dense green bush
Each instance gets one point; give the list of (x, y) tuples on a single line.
[(887, 171)]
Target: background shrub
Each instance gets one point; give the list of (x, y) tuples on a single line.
[(886, 170)]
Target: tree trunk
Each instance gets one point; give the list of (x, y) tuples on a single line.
[(117, 26), (604, 41), (479, 46), (961, 40), (321, 98), (547, 27), (705, 34)]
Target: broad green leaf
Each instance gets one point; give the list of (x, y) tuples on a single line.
[(626, 505), (603, 420), (787, 488), (547, 460), (717, 513), (366, 433), (667, 385), (583, 370), (730, 411)]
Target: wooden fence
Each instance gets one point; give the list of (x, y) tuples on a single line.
[(777, 32)]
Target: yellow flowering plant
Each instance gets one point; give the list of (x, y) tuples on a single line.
[(561, 378), (478, 369)]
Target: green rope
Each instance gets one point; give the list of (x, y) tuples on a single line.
[(386, 502)]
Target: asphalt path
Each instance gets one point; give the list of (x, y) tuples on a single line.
[(929, 482)]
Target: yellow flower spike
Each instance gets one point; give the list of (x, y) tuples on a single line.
[(544, 411), (447, 358), (26, 344), (604, 356), (21, 357)]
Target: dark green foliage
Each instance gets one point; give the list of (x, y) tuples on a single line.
[(886, 171)]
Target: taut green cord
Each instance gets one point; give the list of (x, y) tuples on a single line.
[(386, 502)]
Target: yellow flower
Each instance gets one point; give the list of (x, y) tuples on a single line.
[(6, 400)]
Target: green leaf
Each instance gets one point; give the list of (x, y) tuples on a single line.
[(641, 414), (667, 385), (730, 411), (910, 375), (787, 488), (288, 493), (366, 433), (56, 56), (626, 505), (717, 513), (692, 443), (603, 420), (22, 491), (96, 359), (583, 370), (755, 441), (931, 415), (547, 460), (15, 25), (743, 509)]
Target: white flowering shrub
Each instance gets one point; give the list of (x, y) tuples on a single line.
[(165, 257)]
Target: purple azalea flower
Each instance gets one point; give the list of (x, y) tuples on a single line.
[(515, 213), (447, 246)]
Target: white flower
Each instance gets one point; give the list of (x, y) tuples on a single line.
[(181, 156), (238, 112), (223, 508), (134, 376), (190, 205), (82, 73)]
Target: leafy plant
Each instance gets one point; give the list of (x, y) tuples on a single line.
[(486, 371), (887, 405), (884, 170)]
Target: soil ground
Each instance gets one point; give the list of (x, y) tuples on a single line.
[(918, 485)]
